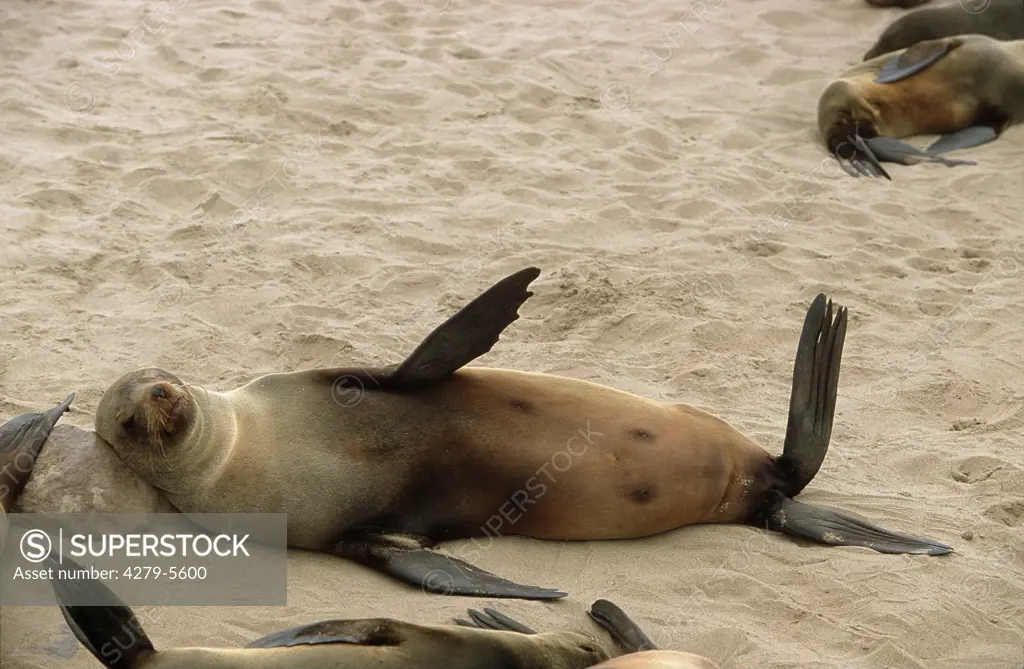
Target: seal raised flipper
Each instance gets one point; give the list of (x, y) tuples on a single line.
[(403, 557), (464, 337), (104, 620), (812, 401), (21, 439), (976, 135), (363, 632), (838, 529), (811, 412), (917, 58)]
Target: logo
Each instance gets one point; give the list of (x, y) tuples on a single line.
[(36, 546)]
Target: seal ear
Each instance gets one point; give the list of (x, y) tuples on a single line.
[(107, 627)]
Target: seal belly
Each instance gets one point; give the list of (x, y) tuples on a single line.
[(558, 458)]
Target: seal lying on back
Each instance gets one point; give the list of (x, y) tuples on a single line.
[(1001, 19), (967, 88), (641, 651), (21, 439), (429, 450), (109, 629)]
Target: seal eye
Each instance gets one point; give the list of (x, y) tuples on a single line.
[(129, 425)]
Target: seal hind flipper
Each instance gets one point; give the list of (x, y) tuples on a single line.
[(838, 529), (891, 150), (975, 135), (812, 401), (105, 619), (464, 337), (21, 439), (917, 58), (368, 632), (494, 620), (433, 572), (622, 628)]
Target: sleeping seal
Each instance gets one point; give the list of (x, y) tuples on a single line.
[(968, 88), (431, 450), (1001, 19), (109, 629)]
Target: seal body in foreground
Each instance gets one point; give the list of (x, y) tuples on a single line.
[(109, 629), (1001, 19), (376, 465), (968, 88)]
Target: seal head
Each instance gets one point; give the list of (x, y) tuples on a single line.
[(144, 412)]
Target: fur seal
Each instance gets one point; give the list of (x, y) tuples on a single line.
[(1001, 19), (21, 439), (968, 88), (641, 653), (109, 629), (433, 450)]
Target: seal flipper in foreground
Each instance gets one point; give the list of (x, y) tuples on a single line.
[(605, 613), (403, 557), (21, 439), (811, 411), (464, 337), (106, 619), (369, 632)]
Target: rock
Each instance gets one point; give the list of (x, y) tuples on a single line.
[(77, 472)]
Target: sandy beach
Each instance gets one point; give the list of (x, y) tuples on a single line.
[(228, 189)]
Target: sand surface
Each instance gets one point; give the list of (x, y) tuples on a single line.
[(247, 187)]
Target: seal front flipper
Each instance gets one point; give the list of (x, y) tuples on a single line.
[(917, 58), (405, 559), (105, 619), (455, 343), (620, 626), (494, 620), (838, 529), (21, 439), (365, 632), (976, 135), (812, 401)]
